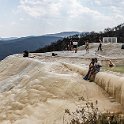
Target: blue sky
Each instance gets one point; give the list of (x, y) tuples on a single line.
[(37, 17)]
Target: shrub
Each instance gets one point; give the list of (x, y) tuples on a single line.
[(90, 114)]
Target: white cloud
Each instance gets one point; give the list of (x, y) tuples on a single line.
[(38, 17), (21, 19), (84, 11), (13, 23), (1, 26), (80, 15), (39, 8), (97, 2)]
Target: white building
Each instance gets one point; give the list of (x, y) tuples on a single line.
[(109, 39)]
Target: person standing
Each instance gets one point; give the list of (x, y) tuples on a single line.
[(87, 46), (71, 45), (100, 45), (75, 44)]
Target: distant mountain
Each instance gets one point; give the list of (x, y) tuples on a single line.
[(64, 34), (6, 39), (30, 43), (14, 45)]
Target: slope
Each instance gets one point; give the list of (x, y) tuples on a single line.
[(38, 90)]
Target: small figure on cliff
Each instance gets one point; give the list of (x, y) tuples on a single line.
[(54, 54), (75, 44), (70, 44), (111, 64), (94, 68), (87, 46), (100, 45), (25, 53), (91, 65)]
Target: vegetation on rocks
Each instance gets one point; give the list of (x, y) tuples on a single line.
[(90, 114)]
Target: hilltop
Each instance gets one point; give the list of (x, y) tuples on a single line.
[(92, 37), (14, 45), (8, 47)]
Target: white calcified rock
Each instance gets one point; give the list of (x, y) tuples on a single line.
[(36, 91)]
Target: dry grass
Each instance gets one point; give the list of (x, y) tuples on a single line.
[(90, 114)]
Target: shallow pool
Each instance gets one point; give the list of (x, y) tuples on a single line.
[(118, 68)]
